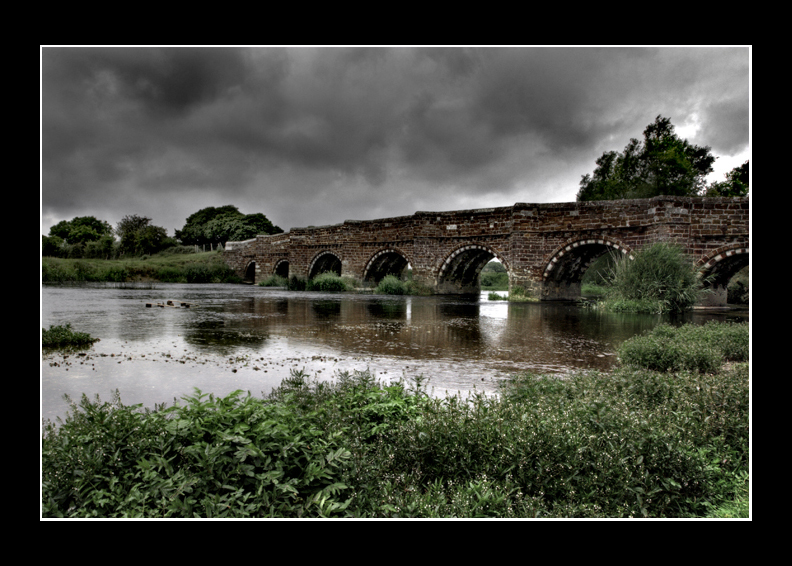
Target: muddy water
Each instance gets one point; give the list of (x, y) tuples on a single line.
[(250, 338)]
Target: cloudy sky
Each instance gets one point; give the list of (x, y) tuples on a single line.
[(319, 135)]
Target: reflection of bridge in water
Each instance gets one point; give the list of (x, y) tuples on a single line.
[(546, 248), (452, 331)]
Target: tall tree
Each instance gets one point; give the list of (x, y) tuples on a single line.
[(661, 164), (138, 236), (222, 224), (81, 229), (736, 183)]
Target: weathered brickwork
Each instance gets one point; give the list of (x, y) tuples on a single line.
[(546, 248)]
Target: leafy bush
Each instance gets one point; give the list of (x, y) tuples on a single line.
[(693, 347), (327, 281), (63, 336), (635, 442), (213, 457), (275, 281), (297, 283), (660, 278), (493, 280), (391, 285)]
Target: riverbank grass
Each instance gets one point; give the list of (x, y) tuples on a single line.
[(200, 267)]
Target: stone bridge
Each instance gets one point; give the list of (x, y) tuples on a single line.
[(546, 248)]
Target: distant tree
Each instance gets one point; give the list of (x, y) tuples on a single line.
[(661, 164), (80, 230), (51, 246), (193, 232), (736, 183), (138, 236), (222, 224)]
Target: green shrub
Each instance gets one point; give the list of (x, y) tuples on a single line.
[(170, 274), (391, 285), (64, 336), (494, 281), (519, 295), (693, 347), (327, 281), (659, 278), (234, 456), (275, 281), (297, 283), (634, 442)]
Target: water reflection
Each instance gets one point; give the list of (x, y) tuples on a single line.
[(251, 337)]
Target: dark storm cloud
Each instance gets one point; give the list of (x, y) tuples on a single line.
[(318, 135)]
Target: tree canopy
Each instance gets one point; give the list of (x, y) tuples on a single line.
[(735, 185), (138, 236), (80, 230), (660, 164), (218, 225)]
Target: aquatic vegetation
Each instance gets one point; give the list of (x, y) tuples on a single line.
[(64, 336), (656, 279), (327, 281), (391, 285), (275, 281)]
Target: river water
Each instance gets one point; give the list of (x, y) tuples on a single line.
[(250, 338)]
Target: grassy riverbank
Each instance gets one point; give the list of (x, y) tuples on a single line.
[(167, 266), (671, 441)]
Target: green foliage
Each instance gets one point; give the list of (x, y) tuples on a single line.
[(327, 281), (496, 297), (634, 442), (218, 225), (494, 280), (235, 456), (138, 237), (702, 348), (737, 183), (80, 229), (738, 290), (417, 288), (275, 281), (297, 283), (518, 294), (391, 285), (176, 267), (660, 164), (64, 336), (659, 278)]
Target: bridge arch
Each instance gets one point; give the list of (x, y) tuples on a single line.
[(281, 268), (250, 272), (323, 262), (460, 270), (387, 261), (718, 267), (565, 266)]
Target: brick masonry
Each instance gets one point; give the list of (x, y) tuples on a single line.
[(546, 248)]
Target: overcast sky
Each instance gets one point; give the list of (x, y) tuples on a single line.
[(319, 135)]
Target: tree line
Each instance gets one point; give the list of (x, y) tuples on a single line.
[(134, 235)]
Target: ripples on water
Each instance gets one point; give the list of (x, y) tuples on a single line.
[(250, 338)]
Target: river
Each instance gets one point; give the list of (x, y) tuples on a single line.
[(250, 338)]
